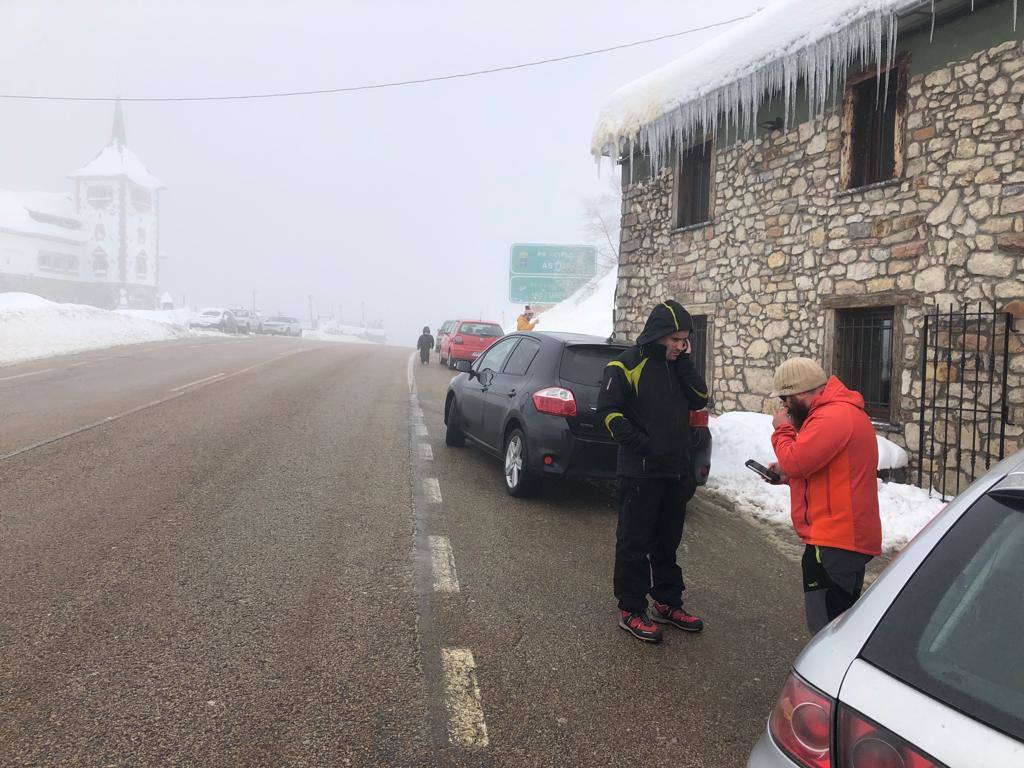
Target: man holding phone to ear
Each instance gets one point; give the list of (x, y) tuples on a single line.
[(828, 455), (646, 397)]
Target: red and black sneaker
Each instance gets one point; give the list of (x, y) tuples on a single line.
[(640, 626), (677, 617)]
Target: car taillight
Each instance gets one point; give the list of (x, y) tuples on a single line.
[(865, 744), (698, 418), (557, 401), (457, 340), (801, 723), (705, 471)]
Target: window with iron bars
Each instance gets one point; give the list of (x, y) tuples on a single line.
[(693, 185), (863, 356), (699, 347)]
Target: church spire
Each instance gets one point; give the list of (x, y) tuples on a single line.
[(117, 133)]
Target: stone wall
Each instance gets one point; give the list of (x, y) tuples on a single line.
[(787, 245)]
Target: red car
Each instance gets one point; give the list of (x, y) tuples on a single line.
[(468, 339)]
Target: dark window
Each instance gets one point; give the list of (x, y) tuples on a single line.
[(51, 261), (141, 264), (496, 356), (864, 356), (100, 263), (100, 196), (585, 364), (699, 346), (954, 632), (873, 129), (693, 187), (519, 361)]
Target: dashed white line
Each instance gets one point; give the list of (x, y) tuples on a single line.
[(76, 365), (26, 375), (466, 725), (421, 430), (442, 564), (432, 490), (426, 452), (200, 381)]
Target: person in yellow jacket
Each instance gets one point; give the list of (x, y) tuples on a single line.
[(525, 321)]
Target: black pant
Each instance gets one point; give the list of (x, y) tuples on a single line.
[(833, 579), (424, 355), (651, 514)]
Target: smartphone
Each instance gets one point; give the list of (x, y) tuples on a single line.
[(763, 471)]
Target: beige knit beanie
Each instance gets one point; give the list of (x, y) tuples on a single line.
[(796, 375)]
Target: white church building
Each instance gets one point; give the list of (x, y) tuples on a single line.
[(99, 245)]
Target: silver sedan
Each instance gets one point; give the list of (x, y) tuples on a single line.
[(927, 669)]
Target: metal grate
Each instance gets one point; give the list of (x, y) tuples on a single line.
[(864, 356), (693, 203)]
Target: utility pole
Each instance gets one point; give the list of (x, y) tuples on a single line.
[(254, 302), (312, 322), (362, 311)]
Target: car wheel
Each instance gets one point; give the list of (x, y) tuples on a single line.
[(453, 434), (223, 327), (451, 362), (519, 480)]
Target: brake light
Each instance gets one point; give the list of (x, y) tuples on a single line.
[(556, 401), (698, 418), (801, 723), (705, 471), (865, 744), (457, 340)]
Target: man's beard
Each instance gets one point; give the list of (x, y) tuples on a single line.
[(798, 412)]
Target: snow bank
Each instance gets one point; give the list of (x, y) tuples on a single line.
[(333, 335), (739, 436), (33, 328), (589, 310), (764, 56), (179, 317)]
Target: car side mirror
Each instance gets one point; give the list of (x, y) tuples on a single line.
[(464, 366)]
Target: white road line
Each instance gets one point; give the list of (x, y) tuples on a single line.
[(200, 381), (26, 375), (426, 452), (466, 725), (432, 490), (442, 563), (421, 430), (76, 365)]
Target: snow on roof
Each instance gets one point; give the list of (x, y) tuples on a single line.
[(43, 214), (730, 76), (117, 161)]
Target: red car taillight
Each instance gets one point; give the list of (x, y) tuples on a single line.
[(556, 401), (864, 744), (698, 418), (801, 723), (457, 340)]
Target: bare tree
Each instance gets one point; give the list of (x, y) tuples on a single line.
[(602, 217)]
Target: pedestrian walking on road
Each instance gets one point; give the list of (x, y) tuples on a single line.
[(525, 321), (828, 455), (424, 345), (646, 397)]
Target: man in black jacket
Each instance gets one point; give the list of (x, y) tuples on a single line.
[(424, 344), (646, 398)]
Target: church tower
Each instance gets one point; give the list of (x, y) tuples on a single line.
[(118, 202)]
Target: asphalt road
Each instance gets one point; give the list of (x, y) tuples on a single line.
[(260, 552)]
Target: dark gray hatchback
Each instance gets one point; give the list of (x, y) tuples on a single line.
[(531, 399)]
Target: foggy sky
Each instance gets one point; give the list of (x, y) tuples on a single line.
[(405, 199)]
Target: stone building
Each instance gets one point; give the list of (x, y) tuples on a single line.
[(873, 220)]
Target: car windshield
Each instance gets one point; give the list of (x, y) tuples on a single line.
[(481, 329), (584, 364), (211, 312), (278, 320), (955, 630)]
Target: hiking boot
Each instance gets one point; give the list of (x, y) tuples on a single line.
[(677, 617), (640, 626)]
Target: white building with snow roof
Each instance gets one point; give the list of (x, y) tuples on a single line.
[(99, 245)]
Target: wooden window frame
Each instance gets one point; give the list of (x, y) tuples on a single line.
[(900, 70), (677, 186)]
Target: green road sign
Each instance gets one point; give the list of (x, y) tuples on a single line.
[(547, 273)]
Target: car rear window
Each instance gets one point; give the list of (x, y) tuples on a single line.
[(955, 631), (481, 329), (584, 364), (278, 320)]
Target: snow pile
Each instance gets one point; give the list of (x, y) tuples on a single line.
[(32, 328), (762, 57), (739, 436), (179, 317), (331, 334), (589, 310)]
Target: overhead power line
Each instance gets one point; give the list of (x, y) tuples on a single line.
[(379, 86)]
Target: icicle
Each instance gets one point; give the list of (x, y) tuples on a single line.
[(931, 35)]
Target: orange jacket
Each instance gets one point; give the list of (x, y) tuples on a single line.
[(832, 466), (523, 323)]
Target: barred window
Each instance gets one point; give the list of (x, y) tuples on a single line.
[(693, 185), (864, 356)]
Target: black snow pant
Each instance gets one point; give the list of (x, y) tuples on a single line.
[(425, 355), (651, 515), (833, 579)]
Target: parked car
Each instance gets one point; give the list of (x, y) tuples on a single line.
[(442, 331), (216, 319), (925, 670), (467, 339), (280, 325), (531, 399), (248, 322)]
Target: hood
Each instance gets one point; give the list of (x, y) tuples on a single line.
[(837, 392), (668, 317)]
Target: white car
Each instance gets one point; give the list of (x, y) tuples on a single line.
[(282, 326), (927, 669), (215, 319), (248, 322)]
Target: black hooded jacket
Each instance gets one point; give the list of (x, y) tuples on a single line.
[(645, 400), (425, 342)]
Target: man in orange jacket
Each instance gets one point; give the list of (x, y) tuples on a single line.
[(828, 455)]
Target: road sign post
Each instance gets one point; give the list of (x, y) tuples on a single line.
[(547, 273)]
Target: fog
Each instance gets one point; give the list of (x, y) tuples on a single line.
[(395, 204)]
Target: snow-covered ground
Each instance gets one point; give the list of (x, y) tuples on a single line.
[(739, 436), (589, 310), (330, 335), (32, 327)]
